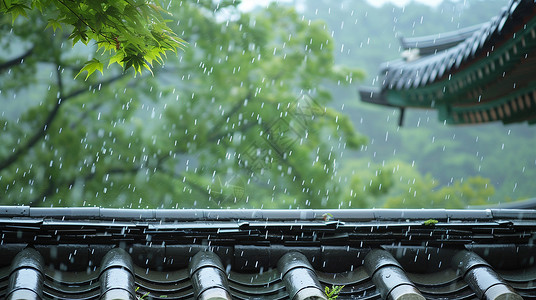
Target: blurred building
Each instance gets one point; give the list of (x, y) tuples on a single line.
[(479, 74)]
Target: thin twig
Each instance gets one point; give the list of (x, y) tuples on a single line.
[(110, 40), (79, 17)]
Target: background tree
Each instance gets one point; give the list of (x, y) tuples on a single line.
[(367, 36), (244, 117), (238, 119)]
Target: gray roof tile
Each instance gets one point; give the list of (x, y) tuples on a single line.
[(294, 254)]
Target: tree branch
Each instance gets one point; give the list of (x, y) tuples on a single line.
[(85, 89), (52, 186), (76, 15), (288, 162), (39, 134), (242, 129), (222, 120), (16, 61), (192, 184)]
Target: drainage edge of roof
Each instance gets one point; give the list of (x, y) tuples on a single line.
[(264, 214)]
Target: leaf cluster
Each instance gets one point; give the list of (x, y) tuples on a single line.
[(131, 33)]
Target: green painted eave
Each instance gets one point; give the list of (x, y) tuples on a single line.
[(466, 85)]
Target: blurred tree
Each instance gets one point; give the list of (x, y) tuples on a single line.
[(400, 185), (367, 35), (424, 193), (239, 119), (131, 33), (368, 184)]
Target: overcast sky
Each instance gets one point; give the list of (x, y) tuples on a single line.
[(403, 2), (250, 4)]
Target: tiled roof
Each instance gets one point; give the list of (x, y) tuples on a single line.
[(433, 44), (98, 253), (477, 74)]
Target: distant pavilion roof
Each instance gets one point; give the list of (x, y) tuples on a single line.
[(99, 253), (482, 73)]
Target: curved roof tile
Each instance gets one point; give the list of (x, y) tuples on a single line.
[(273, 254)]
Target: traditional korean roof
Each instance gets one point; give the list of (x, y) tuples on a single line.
[(99, 253), (482, 73)]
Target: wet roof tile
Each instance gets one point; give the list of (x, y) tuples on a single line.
[(276, 254)]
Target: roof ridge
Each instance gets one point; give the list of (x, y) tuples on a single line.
[(263, 214), (440, 41)]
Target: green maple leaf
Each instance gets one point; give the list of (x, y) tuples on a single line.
[(55, 24), (117, 58), (136, 62), (91, 66), (17, 9)]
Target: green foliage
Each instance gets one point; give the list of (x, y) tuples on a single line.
[(91, 66), (417, 191), (333, 292), (239, 119), (131, 33), (142, 296), (400, 185), (52, 23), (15, 9), (367, 36), (473, 191), (244, 117)]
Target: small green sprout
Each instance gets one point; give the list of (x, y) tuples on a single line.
[(143, 296), (333, 293), (146, 294), (430, 222)]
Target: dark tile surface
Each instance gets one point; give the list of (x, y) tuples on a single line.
[(278, 254)]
